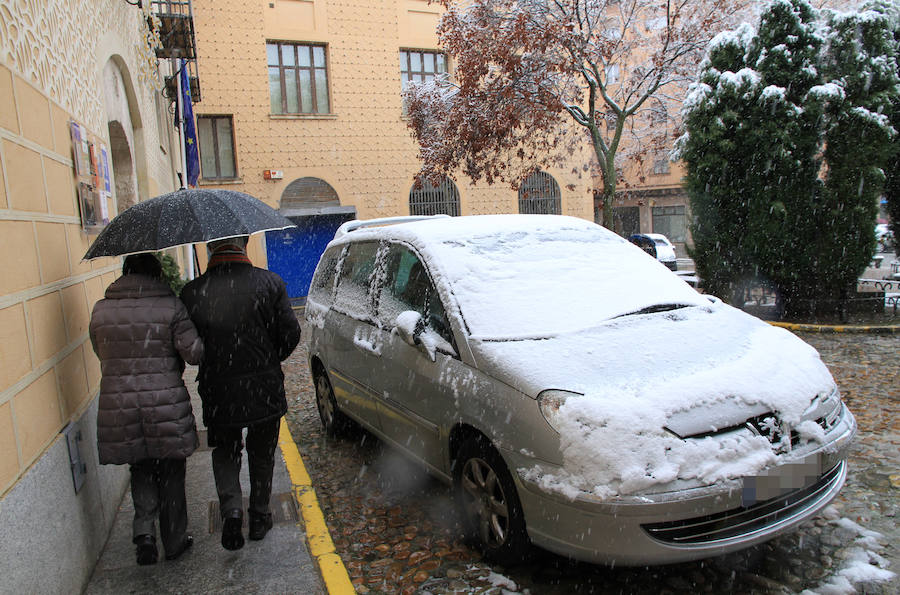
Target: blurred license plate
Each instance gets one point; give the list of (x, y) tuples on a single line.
[(781, 480)]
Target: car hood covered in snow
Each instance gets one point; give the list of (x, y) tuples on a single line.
[(691, 370), (676, 359)]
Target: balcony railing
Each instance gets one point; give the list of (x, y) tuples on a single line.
[(176, 32)]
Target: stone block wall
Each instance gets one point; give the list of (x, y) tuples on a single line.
[(52, 59)]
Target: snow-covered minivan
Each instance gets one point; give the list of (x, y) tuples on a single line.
[(575, 393)]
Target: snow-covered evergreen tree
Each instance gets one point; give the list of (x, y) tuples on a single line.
[(891, 8), (786, 135)]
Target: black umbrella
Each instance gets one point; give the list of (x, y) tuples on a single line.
[(186, 216)]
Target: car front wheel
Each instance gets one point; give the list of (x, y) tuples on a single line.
[(489, 504)]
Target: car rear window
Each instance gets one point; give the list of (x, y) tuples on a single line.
[(356, 279), (322, 285)]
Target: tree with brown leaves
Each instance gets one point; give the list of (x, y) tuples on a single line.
[(527, 70)]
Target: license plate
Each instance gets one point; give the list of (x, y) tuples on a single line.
[(781, 480)]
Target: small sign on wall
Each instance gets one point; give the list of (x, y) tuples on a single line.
[(91, 162)]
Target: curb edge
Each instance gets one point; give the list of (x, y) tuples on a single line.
[(331, 567), (839, 328)]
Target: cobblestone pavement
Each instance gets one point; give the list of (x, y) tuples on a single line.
[(395, 527)]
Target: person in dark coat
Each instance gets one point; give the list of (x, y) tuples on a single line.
[(142, 334), (248, 327)]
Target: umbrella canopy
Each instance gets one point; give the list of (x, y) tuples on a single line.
[(186, 216)]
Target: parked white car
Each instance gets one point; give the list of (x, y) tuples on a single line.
[(658, 246), (576, 394), (665, 250)]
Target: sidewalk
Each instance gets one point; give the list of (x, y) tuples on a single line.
[(280, 563)]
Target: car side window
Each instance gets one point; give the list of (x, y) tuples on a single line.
[(356, 279), (322, 285), (407, 286)]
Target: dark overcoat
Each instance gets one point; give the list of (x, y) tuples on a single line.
[(142, 334), (244, 316)]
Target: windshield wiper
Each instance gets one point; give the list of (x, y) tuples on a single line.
[(655, 308)]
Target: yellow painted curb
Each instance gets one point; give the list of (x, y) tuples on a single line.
[(838, 328), (331, 567)]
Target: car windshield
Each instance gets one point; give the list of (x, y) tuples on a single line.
[(546, 275)]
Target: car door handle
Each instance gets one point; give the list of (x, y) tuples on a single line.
[(363, 344)]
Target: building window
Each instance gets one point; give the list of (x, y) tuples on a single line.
[(216, 137), (421, 66), (671, 222), (298, 78), (661, 164), (611, 119), (428, 199), (539, 195), (612, 74), (658, 114)]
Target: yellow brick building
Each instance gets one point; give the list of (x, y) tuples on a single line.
[(344, 150), (64, 62)]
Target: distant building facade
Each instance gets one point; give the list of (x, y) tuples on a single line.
[(302, 108)]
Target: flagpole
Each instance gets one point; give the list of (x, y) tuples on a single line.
[(183, 178)]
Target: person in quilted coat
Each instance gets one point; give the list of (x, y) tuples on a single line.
[(142, 335)]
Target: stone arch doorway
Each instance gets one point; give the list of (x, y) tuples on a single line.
[(124, 126), (315, 207), (122, 166)]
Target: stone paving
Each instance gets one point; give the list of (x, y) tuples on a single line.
[(396, 530)]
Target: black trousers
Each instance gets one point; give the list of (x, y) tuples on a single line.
[(227, 443), (157, 489)]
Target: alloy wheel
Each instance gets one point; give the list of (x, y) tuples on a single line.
[(486, 502)]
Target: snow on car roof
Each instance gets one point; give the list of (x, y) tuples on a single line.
[(534, 276)]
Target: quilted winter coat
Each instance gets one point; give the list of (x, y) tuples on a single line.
[(142, 334)]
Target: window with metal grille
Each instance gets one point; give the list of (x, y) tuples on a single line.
[(298, 78), (215, 135), (539, 195), (428, 199)]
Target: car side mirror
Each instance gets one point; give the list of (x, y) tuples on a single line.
[(406, 325)]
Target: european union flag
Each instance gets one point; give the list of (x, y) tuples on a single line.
[(191, 153)]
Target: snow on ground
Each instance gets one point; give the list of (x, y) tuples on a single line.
[(862, 564)]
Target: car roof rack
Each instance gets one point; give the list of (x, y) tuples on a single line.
[(355, 224)]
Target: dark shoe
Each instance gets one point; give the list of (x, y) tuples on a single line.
[(185, 546), (146, 550), (232, 539), (259, 525)]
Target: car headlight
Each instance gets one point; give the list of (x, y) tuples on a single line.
[(550, 402)]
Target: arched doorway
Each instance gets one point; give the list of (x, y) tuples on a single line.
[(123, 120), (122, 166), (314, 206)]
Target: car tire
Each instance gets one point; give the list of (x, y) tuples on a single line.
[(333, 419), (489, 504)]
